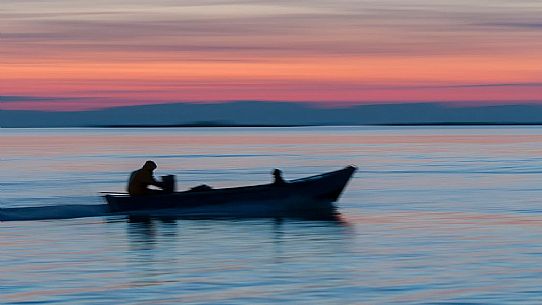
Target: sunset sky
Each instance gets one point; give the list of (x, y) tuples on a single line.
[(75, 54)]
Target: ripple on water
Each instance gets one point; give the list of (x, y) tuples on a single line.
[(434, 216)]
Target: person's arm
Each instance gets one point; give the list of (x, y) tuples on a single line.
[(149, 180)]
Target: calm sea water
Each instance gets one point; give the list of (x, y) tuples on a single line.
[(434, 215)]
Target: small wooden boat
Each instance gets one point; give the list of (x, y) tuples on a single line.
[(315, 193)]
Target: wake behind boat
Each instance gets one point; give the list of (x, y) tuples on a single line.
[(306, 195)]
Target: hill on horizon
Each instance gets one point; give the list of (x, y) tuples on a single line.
[(275, 114)]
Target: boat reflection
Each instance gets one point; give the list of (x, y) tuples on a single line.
[(167, 248), (329, 213)]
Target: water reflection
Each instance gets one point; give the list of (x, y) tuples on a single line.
[(141, 233), (148, 242), (278, 232), (446, 215), (220, 253)]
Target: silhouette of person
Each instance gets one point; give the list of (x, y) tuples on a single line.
[(141, 179), (277, 174)]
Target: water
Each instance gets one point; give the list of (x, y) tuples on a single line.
[(434, 215)]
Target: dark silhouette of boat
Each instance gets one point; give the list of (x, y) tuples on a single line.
[(300, 196)]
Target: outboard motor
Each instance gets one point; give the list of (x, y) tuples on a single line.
[(168, 183)]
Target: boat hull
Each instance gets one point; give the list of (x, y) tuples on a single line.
[(316, 193)]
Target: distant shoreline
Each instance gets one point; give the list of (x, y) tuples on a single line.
[(436, 124), (323, 125), (203, 125), (462, 124), (278, 114)]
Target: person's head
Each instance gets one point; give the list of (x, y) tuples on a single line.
[(149, 165)]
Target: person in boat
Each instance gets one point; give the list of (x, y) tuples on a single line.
[(277, 174), (141, 179)]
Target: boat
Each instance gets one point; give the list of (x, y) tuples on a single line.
[(301, 196)]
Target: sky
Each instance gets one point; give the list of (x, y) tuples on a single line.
[(80, 54)]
